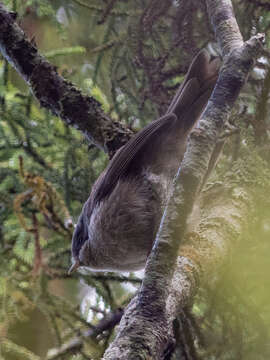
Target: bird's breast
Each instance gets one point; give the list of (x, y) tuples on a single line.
[(123, 226)]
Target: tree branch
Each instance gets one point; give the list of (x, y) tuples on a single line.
[(76, 344), (54, 92), (225, 26), (146, 328)]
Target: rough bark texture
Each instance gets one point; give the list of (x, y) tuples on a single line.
[(54, 92), (226, 214), (146, 328)]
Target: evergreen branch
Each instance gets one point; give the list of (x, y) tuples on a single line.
[(112, 12), (104, 46), (107, 11), (258, 3), (18, 351), (65, 51), (76, 344)]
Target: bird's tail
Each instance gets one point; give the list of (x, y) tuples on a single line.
[(193, 94)]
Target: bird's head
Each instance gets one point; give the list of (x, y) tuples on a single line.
[(79, 238)]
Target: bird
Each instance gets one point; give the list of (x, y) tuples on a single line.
[(118, 223)]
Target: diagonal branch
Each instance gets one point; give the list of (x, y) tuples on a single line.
[(54, 92), (146, 328), (106, 324)]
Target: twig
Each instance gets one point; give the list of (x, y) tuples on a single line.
[(74, 345)]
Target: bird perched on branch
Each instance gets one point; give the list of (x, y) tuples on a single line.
[(119, 221)]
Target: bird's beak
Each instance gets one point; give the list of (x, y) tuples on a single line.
[(74, 267)]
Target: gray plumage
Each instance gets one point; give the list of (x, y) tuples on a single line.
[(119, 221)]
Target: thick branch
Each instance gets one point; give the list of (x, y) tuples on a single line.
[(54, 92), (226, 29), (146, 326), (226, 215)]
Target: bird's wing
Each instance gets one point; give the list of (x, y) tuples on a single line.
[(185, 108), (125, 155), (108, 179)]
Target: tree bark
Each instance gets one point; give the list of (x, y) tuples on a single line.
[(146, 327), (145, 333), (54, 92)]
